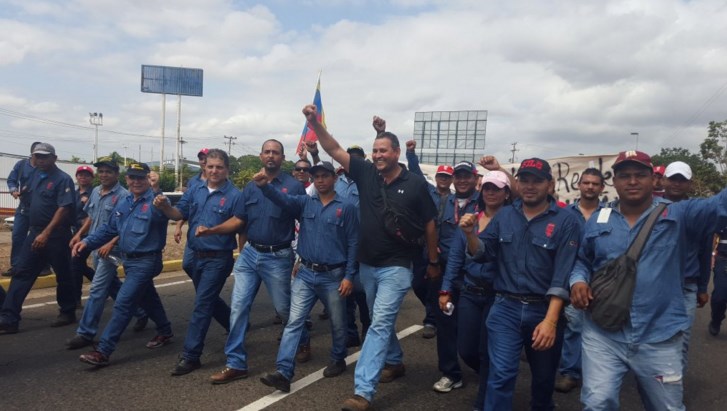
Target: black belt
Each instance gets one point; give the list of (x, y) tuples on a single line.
[(319, 268), (473, 289), (125, 256), (213, 254), (269, 248), (525, 298)]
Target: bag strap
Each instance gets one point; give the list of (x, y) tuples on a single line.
[(637, 246)]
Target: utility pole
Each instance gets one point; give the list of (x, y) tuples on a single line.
[(512, 159), (230, 143), (637, 139), (125, 156), (95, 119)]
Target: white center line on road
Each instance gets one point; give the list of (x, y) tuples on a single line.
[(310, 379), (25, 307)]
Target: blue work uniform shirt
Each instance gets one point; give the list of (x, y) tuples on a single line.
[(50, 191), (657, 311), (141, 227), (449, 221), (346, 188), (195, 181), (328, 234), (533, 257), (462, 269), (100, 207), (81, 200), (199, 206), (267, 223), (19, 178)]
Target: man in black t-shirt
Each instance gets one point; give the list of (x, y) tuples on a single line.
[(385, 261)]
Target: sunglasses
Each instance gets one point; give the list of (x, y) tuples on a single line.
[(137, 177), (303, 169)]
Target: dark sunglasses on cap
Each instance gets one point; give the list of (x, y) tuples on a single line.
[(303, 169)]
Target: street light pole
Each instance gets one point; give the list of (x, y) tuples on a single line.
[(95, 119), (637, 139), (125, 156)]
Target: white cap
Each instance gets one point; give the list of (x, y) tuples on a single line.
[(678, 167)]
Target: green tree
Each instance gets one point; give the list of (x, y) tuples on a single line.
[(706, 179), (713, 148)]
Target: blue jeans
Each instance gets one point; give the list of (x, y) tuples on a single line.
[(209, 277), (510, 327), (137, 289), (472, 337), (719, 294), (690, 301), (606, 362), (425, 289), (308, 286), (251, 268), (447, 359), (385, 289), (80, 269), (570, 360), (220, 311), (21, 225), (105, 283), (30, 264), (357, 298)]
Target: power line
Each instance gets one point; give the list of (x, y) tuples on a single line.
[(230, 143)]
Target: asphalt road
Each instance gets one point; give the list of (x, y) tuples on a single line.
[(37, 372)]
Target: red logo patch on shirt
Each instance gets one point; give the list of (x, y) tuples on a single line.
[(144, 207), (665, 212), (222, 201), (49, 186), (285, 190), (114, 199), (549, 230), (339, 213)]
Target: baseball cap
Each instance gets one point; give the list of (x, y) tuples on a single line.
[(203, 152), (466, 166), (659, 170), (357, 150), (633, 156), (678, 167), (323, 165), (444, 169), (84, 168), (137, 169), (108, 162), (44, 148), (498, 178), (535, 166)]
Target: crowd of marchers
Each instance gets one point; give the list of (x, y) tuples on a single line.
[(502, 268)]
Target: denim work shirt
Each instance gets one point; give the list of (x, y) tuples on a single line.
[(100, 207), (50, 191), (657, 310), (199, 206), (346, 188), (461, 268), (19, 178), (328, 234), (533, 257), (267, 223), (195, 181), (449, 222), (141, 227), (437, 199)]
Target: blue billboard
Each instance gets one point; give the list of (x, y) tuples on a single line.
[(171, 80)]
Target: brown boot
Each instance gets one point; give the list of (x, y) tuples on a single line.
[(392, 372), (355, 403)]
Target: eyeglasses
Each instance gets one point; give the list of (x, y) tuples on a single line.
[(137, 177), (303, 169)]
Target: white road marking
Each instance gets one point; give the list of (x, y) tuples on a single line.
[(311, 378)]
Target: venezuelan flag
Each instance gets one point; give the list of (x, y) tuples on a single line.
[(308, 134)]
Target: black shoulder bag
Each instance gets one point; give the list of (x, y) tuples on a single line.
[(400, 224), (613, 285)]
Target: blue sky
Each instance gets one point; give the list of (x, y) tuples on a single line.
[(558, 77)]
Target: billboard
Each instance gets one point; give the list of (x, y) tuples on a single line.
[(171, 80), (447, 137)]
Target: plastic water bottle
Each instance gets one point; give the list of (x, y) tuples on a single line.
[(450, 308), (115, 260)]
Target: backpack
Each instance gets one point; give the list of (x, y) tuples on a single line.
[(613, 285)]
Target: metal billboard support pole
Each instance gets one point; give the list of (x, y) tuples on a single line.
[(161, 150), (177, 176)]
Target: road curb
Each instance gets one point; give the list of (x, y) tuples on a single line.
[(49, 281)]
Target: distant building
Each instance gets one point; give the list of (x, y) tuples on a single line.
[(446, 137)]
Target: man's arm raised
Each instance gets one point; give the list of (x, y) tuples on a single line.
[(329, 144)]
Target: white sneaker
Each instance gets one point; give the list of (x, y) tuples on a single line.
[(445, 384)]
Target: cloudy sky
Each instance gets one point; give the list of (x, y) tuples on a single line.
[(558, 77)]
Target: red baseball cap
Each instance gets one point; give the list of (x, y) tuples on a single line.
[(203, 152), (87, 169), (447, 170), (633, 156), (660, 170)]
